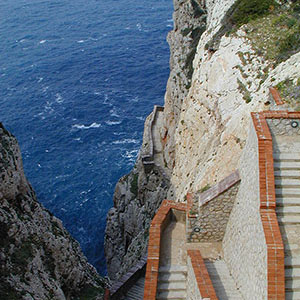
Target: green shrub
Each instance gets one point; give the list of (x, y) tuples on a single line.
[(134, 185), (244, 10)]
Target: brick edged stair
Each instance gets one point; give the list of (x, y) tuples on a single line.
[(222, 281), (171, 282), (287, 187)]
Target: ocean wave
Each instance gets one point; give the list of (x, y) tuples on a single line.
[(126, 141), (110, 123), (80, 126), (42, 41)]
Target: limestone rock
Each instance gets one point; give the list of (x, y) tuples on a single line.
[(38, 257)]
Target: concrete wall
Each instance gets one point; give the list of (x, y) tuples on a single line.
[(192, 289), (244, 244)]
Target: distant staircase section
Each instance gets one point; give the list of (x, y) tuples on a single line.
[(131, 282), (287, 184), (171, 282), (136, 292), (153, 147), (222, 281)]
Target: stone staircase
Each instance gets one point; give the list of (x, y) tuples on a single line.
[(136, 292), (287, 185), (222, 281), (171, 282)]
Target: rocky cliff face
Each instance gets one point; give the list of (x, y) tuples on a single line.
[(225, 54), (38, 257)]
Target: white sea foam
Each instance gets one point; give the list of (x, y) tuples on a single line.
[(140, 118), (131, 154), (40, 79), (81, 41), (80, 126), (139, 26), (113, 112), (43, 41), (59, 98), (126, 141), (110, 123)]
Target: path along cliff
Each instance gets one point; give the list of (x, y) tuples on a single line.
[(225, 55)]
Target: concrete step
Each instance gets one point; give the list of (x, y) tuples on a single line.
[(293, 174), (171, 286), (292, 295), (172, 277), (286, 156), (292, 272), (287, 192), (292, 283), (178, 295), (287, 201), (287, 182), (222, 281), (288, 219), (286, 165), (288, 210), (173, 269), (290, 261)]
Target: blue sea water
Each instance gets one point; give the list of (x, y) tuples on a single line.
[(77, 80)]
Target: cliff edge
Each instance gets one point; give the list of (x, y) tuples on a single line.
[(38, 257)]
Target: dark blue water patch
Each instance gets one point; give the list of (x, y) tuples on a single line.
[(77, 80)]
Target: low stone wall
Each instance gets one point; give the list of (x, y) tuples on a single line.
[(148, 155), (215, 205), (199, 285), (244, 244), (275, 96)]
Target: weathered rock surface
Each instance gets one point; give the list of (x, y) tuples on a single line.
[(38, 258)]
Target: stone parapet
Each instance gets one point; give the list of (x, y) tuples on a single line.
[(275, 96), (199, 285), (148, 155)]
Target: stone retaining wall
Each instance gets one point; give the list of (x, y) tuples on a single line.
[(215, 205), (284, 126)]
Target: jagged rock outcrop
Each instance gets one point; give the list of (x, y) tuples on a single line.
[(225, 54), (38, 258)]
